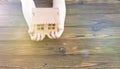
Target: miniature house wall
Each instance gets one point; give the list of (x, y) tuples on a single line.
[(45, 20)]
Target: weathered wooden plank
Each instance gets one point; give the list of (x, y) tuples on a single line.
[(17, 51), (92, 1)]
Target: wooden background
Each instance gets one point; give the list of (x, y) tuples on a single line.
[(90, 40)]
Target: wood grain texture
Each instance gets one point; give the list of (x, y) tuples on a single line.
[(90, 40)]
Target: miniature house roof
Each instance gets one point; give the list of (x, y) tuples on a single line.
[(45, 15)]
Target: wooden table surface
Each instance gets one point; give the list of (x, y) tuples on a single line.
[(90, 40)]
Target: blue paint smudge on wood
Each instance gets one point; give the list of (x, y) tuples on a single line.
[(100, 25)]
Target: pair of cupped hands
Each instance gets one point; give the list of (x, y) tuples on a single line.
[(52, 35)]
